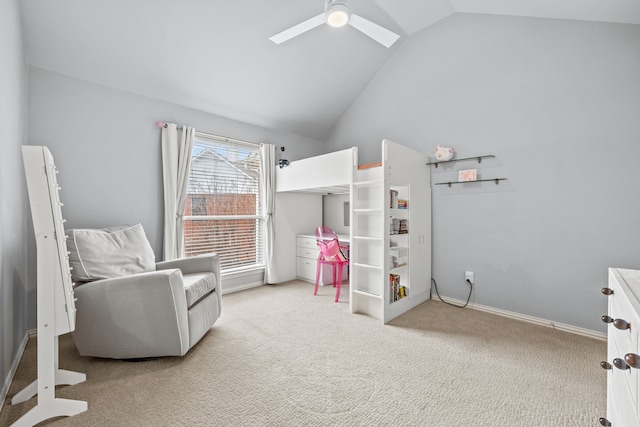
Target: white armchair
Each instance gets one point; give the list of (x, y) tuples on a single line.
[(148, 309)]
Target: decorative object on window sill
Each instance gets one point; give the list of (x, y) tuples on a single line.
[(467, 175), (496, 180), (443, 154), (478, 158)]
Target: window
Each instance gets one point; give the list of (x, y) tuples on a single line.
[(198, 205), (223, 212)]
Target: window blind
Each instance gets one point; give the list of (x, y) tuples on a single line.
[(223, 212)]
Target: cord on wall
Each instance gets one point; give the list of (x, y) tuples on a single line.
[(447, 302)]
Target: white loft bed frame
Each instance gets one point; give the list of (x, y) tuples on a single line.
[(338, 173), (300, 188), (330, 173)]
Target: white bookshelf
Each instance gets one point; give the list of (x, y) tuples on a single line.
[(403, 175)]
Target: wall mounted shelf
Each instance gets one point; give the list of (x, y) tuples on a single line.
[(450, 183), (478, 158)]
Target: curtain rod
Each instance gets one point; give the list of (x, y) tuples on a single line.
[(161, 124)]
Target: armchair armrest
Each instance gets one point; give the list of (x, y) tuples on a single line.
[(196, 264), (141, 315)]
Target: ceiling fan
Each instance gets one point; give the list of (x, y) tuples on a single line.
[(337, 13)]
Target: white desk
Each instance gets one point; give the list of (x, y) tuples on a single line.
[(306, 259)]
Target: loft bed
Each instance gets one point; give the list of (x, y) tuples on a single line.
[(402, 171), (300, 202), (330, 173)]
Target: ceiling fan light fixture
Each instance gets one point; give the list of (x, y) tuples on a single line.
[(338, 13)]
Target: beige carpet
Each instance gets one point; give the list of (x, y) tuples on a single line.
[(280, 357)]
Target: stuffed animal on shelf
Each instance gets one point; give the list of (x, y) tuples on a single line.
[(443, 154)]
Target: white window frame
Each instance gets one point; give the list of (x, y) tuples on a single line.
[(259, 265)]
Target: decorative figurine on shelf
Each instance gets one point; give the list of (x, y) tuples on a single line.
[(443, 154)]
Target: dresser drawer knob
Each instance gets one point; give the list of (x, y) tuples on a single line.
[(621, 324), (632, 360), (607, 291), (607, 319), (605, 422), (605, 365), (620, 364)]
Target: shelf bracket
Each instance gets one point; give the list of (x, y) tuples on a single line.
[(450, 183), (478, 158)]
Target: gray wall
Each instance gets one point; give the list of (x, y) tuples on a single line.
[(333, 214), (15, 289), (107, 148), (558, 103)]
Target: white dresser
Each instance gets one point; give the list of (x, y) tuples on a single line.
[(623, 360), (306, 259)]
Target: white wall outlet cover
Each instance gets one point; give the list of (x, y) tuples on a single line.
[(468, 275)]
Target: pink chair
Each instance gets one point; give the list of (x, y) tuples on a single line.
[(330, 254)]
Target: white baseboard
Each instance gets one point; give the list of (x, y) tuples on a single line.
[(14, 366), (530, 319), (241, 279), (242, 287)]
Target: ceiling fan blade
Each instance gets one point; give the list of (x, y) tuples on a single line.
[(296, 30), (375, 31)]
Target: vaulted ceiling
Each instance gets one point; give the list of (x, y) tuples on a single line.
[(215, 55)]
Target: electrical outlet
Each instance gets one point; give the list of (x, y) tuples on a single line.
[(468, 275)]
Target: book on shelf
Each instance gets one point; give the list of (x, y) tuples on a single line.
[(395, 202), (393, 199), (396, 291), (398, 257), (398, 226)]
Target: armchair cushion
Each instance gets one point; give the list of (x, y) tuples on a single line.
[(198, 286), (109, 253)]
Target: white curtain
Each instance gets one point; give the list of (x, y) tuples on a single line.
[(176, 162), (268, 182)]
